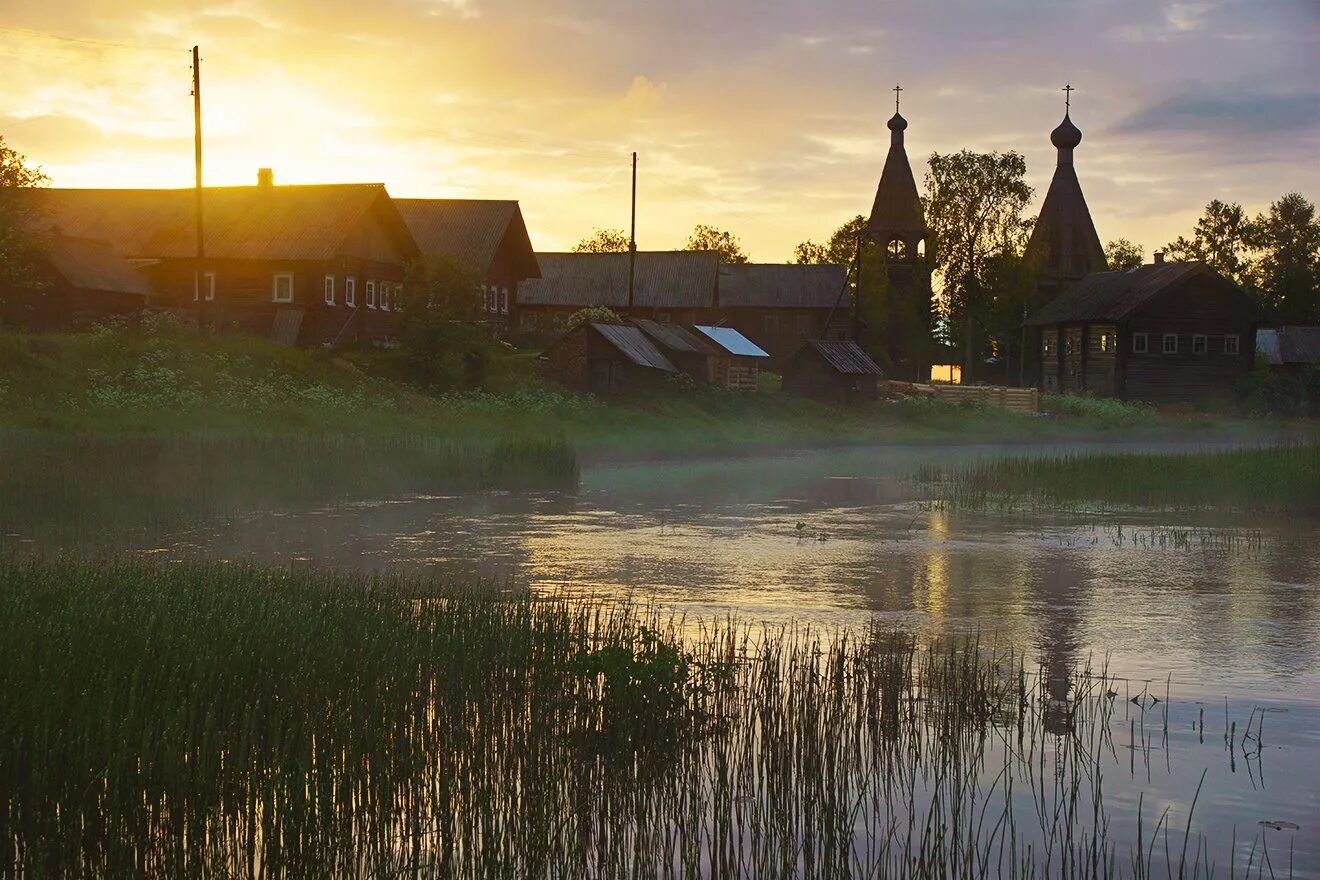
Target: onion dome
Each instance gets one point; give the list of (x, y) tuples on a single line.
[(1067, 136), (898, 123)]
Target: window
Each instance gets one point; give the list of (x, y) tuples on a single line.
[(385, 289), (492, 304), (804, 325), (1199, 344), (1067, 345), (208, 283), (282, 290), (1140, 343), (329, 290), (1105, 342), (371, 294), (1170, 343), (921, 248), (1231, 344), (1046, 344), (771, 323), (897, 249), (350, 292), (504, 300), (398, 297)]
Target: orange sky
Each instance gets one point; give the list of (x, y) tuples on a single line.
[(762, 116)]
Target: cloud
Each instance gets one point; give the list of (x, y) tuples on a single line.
[(1263, 114)]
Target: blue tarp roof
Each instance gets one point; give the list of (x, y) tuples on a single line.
[(732, 341)]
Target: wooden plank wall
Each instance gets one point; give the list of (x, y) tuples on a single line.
[(1020, 399)]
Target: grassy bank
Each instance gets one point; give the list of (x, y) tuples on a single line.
[(1284, 479), (164, 722)]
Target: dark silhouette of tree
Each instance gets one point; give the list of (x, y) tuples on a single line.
[(1219, 240), (603, 241), (840, 248), (17, 240), (1287, 267), (1123, 254), (708, 238), (440, 326)]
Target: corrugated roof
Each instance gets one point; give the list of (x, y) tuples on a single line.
[(241, 222), (1289, 344), (782, 285), (92, 265), (846, 357), (664, 280), (471, 231), (1112, 296), (672, 337), (732, 341), (634, 345)]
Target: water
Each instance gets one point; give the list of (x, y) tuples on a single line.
[(1225, 622)]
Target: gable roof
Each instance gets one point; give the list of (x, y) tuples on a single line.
[(732, 341), (633, 344), (782, 285), (1064, 241), (672, 337), (1112, 296), (241, 222), (845, 357), (664, 280), (92, 265), (1289, 345), (472, 231)]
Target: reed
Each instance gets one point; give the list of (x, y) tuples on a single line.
[(184, 720)]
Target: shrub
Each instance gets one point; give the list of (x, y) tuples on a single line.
[(1101, 410)]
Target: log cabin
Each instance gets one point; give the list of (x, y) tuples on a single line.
[(1163, 332), (79, 282), (834, 370), (782, 305), (487, 236), (606, 360), (311, 265)]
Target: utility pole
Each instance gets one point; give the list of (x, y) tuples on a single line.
[(632, 236), (199, 276)]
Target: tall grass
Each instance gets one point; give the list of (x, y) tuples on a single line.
[(1274, 479), (163, 722)]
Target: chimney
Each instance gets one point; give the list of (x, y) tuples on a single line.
[(1159, 258), (265, 177)]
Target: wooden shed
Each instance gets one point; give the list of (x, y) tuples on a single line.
[(1165, 332), (1289, 349), (606, 360), (684, 349), (738, 360), (838, 371), (782, 305), (84, 282)]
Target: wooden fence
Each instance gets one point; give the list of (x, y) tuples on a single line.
[(1020, 399)]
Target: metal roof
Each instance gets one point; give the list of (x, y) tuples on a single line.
[(241, 222), (1113, 296), (732, 341), (634, 345), (664, 280), (672, 337), (782, 285), (1289, 345), (846, 357), (92, 265), (472, 231)]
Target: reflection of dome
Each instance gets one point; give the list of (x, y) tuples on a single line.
[(1066, 136), (897, 123)]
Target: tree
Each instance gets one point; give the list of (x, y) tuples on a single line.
[(974, 204), (1220, 240), (1123, 254), (441, 327), (596, 314), (1287, 269), (17, 242), (604, 241), (839, 249), (708, 238)]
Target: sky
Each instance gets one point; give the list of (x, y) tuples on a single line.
[(765, 117)]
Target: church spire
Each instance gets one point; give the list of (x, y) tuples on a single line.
[(896, 210)]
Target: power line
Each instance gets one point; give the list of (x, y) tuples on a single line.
[(87, 41)]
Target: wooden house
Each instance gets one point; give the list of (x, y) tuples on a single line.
[(687, 351), (81, 282), (1164, 332), (313, 264), (782, 305), (834, 370), (738, 361), (1289, 349), (487, 236), (606, 360), (668, 287)]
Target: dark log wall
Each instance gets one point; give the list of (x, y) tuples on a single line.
[(1101, 347)]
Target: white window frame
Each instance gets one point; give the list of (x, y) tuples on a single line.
[(383, 298), (492, 303), (329, 290), (398, 297), (209, 278), (371, 294), (1237, 343), (1141, 343), (350, 291), (504, 300), (1103, 343), (1164, 344), (275, 288), (1203, 340)]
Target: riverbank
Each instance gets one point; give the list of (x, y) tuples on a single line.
[(165, 383)]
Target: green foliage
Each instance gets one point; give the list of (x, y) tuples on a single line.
[(840, 249), (1264, 392), (17, 243), (597, 314), (708, 238), (1123, 254), (441, 327), (604, 241), (1103, 412), (1220, 240)]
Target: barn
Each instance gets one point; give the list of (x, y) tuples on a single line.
[(834, 370), (1163, 332), (606, 360), (1289, 349), (83, 282)]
